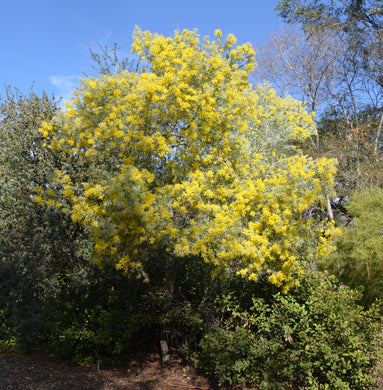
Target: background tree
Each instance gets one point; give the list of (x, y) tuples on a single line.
[(39, 245), (328, 55), (359, 27), (296, 65), (317, 14)]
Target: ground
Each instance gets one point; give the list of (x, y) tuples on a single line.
[(41, 372)]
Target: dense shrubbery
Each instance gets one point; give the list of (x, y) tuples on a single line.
[(238, 331), (104, 321), (316, 337), (86, 315)]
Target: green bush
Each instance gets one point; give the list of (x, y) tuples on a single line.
[(105, 318), (358, 261), (7, 342), (317, 337), (101, 333)]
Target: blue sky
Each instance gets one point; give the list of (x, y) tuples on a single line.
[(46, 41)]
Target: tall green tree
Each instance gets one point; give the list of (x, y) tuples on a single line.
[(39, 245)]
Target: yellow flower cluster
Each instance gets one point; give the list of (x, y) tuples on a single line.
[(186, 155)]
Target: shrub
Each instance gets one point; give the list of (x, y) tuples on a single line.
[(315, 338), (358, 261)]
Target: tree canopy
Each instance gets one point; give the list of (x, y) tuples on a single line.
[(319, 14), (184, 155)]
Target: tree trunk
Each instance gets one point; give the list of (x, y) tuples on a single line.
[(329, 209), (378, 135), (173, 276)]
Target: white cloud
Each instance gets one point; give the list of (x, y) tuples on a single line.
[(64, 85)]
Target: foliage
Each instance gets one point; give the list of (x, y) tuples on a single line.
[(356, 31), (7, 343), (318, 13), (360, 162), (184, 156), (105, 320), (314, 338), (330, 54), (30, 235), (109, 62), (358, 259), (51, 295)]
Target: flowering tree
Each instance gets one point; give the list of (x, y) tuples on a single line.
[(186, 156)]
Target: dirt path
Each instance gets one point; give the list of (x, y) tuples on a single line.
[(39, 372)]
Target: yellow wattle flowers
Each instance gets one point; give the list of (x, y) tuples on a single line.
[(187, 156)]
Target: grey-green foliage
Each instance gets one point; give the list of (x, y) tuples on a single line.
[(108, 61), (358, 260), (23, 163), (316, 337)]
